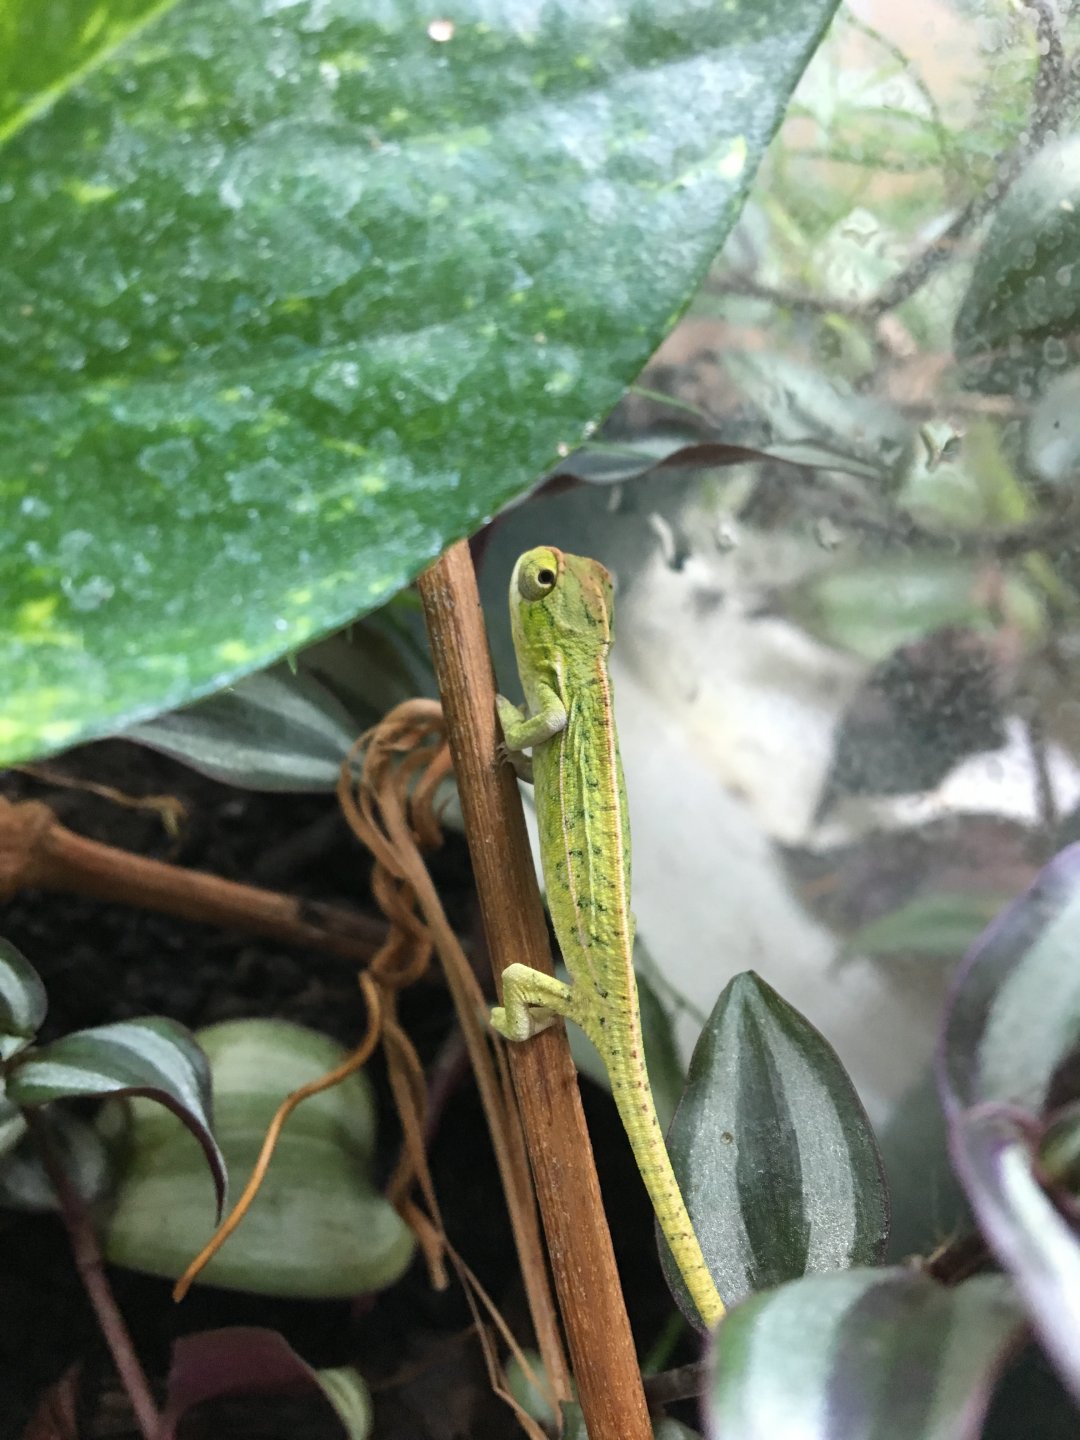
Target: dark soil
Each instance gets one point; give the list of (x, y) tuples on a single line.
[(107, 962)]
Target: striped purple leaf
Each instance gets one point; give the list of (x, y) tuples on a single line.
[(1007, 1061), (861, 1355)]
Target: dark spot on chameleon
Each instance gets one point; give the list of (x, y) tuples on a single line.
[(727, 1137)]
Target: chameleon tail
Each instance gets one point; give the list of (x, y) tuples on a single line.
[(633, 1098)]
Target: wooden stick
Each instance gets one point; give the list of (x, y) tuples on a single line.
[(38, 853), (579, 1244)]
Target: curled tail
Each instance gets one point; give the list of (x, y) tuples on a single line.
[(634, 1100)]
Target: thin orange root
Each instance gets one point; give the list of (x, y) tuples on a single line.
[(356, 1060)]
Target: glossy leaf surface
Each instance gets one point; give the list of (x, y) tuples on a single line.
[(863, 1355), (318, 1226), (294, 295), (773, 1150)]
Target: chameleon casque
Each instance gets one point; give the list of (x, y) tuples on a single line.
[(561, 612)]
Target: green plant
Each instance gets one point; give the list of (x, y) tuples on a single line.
[(295, 299), (50, 1157)]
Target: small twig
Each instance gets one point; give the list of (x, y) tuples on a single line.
[(685, 1382), (1046, 803), (170, 809), (390, 807), (349, 1066), (956, 1260), (1049, 94), (786, 296), (994, 407), (582, 1259), (38, 853), (1052, 533), (1050, 74), (90, 1265)]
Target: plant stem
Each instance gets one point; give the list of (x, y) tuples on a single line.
[(686, 1382), (579, 1243), (90, 1265), (37, 852)]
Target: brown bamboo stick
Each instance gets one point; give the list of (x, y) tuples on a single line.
[(579, 1243)]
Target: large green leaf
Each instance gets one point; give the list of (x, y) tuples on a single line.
[(865, 1355), (773, 1151), (295, 294), (47, 45)]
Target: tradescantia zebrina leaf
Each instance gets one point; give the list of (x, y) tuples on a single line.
[(275, 730), (1007, 1061), (773, 1150), (78, 1149), (153, 1057), (22, 1000), (862, 1355), (293, 295)]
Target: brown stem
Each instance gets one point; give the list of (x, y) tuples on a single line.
[(957, 1260), (785, 296), (37, 852), (91, 1268), (1046, 801), (579, 1243), (683, 1383)]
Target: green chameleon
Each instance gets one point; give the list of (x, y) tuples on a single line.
[(561, 612)]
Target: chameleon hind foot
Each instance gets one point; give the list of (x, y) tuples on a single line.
[(531, 1002)]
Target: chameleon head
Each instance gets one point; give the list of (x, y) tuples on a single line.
[(552, 593)]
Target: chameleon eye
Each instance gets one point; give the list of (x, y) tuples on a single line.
[(537, 580)]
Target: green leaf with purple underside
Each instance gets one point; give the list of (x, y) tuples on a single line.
[(153, 1057), (1007, 1061), (861, 1355)]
